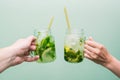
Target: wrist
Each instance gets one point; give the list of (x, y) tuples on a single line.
[(10, 55), (6, 58), (113, 66), (107, 61)]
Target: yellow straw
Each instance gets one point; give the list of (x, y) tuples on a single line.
[(67, 20), (50, 24)]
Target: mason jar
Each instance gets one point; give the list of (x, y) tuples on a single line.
[(45, 46), (74, 46)]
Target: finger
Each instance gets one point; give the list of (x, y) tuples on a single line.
[(93, 44), (91, 39), (91, 56), (31, 38), (33, 43), (97, 51), (88, 53), (91, 49), (33, 47), (26, 54), (31, 59), (87, 56)]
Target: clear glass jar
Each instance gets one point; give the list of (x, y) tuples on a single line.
[(45, 46), (74, 46)]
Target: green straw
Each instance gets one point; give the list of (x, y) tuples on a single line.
[(67, 19), (50, 24)]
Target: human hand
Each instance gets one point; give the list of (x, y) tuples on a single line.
[(21, 50), (97, 52)]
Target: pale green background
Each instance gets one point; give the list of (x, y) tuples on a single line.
[(99, 18)]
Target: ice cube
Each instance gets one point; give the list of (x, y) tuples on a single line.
[(72, 41)]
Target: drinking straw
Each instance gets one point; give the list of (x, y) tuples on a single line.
[(67, 19), (50, 24)]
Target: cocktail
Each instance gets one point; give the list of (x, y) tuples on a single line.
[(74, 46), (45, 46), (74, 43)]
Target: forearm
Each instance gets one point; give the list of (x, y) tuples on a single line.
[(5, 58), (114, 66), (4, 64)]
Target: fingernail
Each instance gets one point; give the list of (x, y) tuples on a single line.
[(37, 56)]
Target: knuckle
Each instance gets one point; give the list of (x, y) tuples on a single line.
[(21, 39), (98, 52), (101, 47), (95, 57), (18, 62)]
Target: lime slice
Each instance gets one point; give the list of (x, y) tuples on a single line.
[(66, 48), (47, 55)]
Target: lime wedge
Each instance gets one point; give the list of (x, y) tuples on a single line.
[(48, 55)]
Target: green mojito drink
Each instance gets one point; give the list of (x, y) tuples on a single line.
[(45, 46), (74, 46)]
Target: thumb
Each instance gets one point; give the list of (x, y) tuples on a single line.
[(91, 39), (31, 38)]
